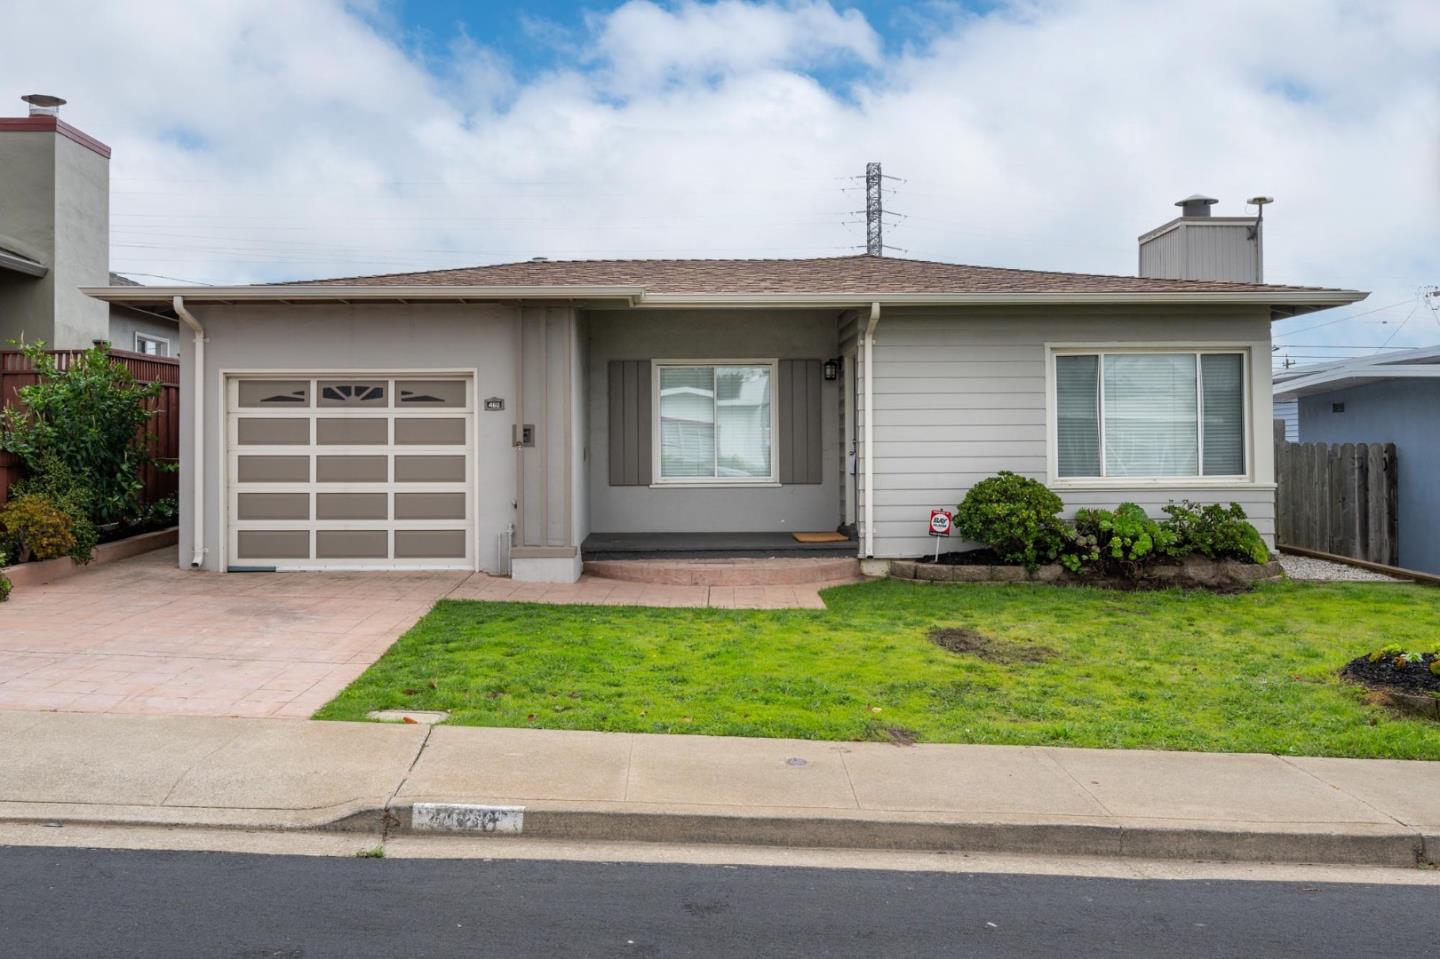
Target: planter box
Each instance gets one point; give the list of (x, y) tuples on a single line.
[(37, 574), (1191, 572)]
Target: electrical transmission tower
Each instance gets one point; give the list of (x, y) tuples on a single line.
[(875, 210)]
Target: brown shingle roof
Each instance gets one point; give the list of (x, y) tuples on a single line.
[(820, 275)]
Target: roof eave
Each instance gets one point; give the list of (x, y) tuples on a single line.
[(315, 293), (21, 264), (1345, 379)]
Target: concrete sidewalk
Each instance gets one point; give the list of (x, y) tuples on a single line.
[(71, 768)]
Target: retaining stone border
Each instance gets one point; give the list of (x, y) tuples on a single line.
[(1191, 572), (49, 570)]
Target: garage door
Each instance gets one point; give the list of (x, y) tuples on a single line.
[(363, 472)]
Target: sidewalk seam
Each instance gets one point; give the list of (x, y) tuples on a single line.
[(849, 781), (1343, 791), (388, 817)]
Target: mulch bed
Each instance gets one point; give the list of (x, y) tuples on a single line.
[(970, 557), (1383, 673)]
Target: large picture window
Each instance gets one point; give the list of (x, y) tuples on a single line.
[(716, 423), (1149, 414)]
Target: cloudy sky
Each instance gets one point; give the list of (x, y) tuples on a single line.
[(274, 139)]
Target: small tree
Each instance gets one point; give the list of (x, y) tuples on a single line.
[(89, 418)]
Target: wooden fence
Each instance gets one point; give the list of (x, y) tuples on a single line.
[(163, 427), (1337, 498)]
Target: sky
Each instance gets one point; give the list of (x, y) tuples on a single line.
[(261, 140)]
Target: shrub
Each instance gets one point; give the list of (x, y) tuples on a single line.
[(70, 494), (1216, 531), (1125, 538), (4, 580), (88, 415), (36, 528), (1016, 517)]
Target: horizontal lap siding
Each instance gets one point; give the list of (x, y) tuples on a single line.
[(960, 395)]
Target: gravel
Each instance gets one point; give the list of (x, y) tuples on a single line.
[(1305, 567)]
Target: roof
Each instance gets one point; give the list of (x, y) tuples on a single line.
[(845, 281), (20, 263), (117, 280), (862, 274), (1422, 363)]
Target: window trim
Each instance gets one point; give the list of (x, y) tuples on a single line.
[(659, 481), (1200, 481), (151, 338)]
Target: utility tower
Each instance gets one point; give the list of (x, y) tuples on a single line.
[(874, 210)]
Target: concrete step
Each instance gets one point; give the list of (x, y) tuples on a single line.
[(726, 572)]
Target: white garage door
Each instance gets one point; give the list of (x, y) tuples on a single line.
[(362, 472)]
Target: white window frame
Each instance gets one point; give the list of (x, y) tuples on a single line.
[(691, 482), (150, 338), (1246, 353)]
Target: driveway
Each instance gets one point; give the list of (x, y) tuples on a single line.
[(142, 636)]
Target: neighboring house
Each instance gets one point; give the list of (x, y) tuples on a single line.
[(55, 239), (1393, 398), (476, 417)]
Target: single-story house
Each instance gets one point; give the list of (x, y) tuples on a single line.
[(1393, 398), (500, 418)]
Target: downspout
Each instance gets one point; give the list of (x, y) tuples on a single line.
[(870, 430), (197, 444)]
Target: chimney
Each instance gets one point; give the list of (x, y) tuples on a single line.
[(1198, 246), (54, 226), (43, 104)]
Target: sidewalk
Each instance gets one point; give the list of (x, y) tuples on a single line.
[(72, 768)]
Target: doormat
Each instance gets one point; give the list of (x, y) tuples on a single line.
[(820, 537)]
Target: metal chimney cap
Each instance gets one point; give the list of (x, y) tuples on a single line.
[(1196, 204), (539, 259), (43, 104)]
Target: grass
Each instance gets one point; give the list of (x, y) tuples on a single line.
[(1251, 672)]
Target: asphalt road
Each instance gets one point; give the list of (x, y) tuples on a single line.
[(80, 903)]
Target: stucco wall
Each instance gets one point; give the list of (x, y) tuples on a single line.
[(478, 338), (124, 324), (1406, 413), (961, 394), (705, 335), (27, 198)]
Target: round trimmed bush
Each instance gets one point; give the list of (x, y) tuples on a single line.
[(1015, 516)]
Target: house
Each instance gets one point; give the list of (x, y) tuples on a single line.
[(55, 239), (520, 416), (1394, 398)]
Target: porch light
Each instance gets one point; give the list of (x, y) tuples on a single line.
[(832, 369)]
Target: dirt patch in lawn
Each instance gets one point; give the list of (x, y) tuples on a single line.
[(968, 642)]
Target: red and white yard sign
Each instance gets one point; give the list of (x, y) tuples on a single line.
[(940, 522)]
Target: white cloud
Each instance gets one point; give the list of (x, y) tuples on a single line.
[(260, 140)]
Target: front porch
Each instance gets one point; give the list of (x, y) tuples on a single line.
[(757, 545)]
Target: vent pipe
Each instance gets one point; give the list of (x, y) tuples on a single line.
[(43, 104)]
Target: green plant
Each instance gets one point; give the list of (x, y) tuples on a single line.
[(1125, 537), (68, 491), (1219, 532), (36, 528), (4, 580), (375, 852), (163, 512), (88, 414), (1015, 516)]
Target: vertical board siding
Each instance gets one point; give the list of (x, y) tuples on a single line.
[(1338, 498), (630, 449), (800, 438), (960, 395), (162, 430)]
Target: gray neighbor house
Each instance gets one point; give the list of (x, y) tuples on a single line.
[(1394, 398), (55, 239), (522, 417)]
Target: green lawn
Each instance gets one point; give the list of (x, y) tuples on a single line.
[(1172, 670)]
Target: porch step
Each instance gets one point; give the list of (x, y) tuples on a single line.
[(726, 572)]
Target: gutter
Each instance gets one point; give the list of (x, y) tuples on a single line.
[(869, 345), (197, 442), (637, 297)]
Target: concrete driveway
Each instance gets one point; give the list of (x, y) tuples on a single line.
[(142, 636)]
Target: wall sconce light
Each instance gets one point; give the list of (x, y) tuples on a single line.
[(832, 369)]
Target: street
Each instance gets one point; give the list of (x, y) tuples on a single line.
[(109, 903)]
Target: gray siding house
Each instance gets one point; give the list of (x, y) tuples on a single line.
[(513, 418), (1382, 399)]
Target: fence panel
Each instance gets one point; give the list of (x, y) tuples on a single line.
[(162, 429), (1337, 498)]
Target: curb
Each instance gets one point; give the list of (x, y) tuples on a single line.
[(1361, 844), (1357, 845)]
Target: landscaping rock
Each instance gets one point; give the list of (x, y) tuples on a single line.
[(903, 569)]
